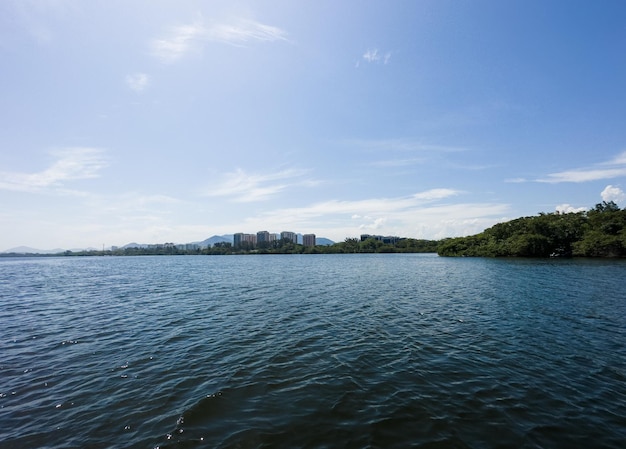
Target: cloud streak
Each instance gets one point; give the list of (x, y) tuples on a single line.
[(71, 164), (427, 214), (605, 170), (401, 145), (245, 187), (183, 39)]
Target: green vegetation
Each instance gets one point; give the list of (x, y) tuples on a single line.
[(600, 232), (371, 245), (350, 245)]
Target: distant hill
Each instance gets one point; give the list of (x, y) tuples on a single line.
[(215, 239), (29, 250), (324, 241), (135, 245)]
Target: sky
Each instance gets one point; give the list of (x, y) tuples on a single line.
[(173, 121)]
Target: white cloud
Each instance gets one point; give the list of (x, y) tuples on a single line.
[(71, 164), (427, 214), (373, 56), (605, 170), (612, 193), (568, 209), (436, 194), (245, 31), (183, 39), (584, 175), (246, 187), (137, 81)]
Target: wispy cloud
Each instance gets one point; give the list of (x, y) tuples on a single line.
[(137, 81), (428, 214), (248, 187), (245, 31), (395, 152), (516, 180), (373, 55), (605, 170), (183, 39), (406, 145), (398, 162), (71, 164)]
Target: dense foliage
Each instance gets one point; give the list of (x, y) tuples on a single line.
[(600, 232)]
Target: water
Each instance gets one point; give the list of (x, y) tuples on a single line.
[(317, 351)]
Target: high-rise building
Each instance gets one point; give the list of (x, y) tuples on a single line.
[(291, 236), (308, 239), (262, 236), (240, 239)]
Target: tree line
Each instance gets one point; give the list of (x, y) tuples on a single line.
[(348, 246), (599, 232)]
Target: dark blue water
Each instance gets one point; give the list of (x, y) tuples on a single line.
[(335, 351)]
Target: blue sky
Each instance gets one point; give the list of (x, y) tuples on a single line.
[(154, 121)]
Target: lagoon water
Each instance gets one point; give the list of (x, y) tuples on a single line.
[(312, 351)]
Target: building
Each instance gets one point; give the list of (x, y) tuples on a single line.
[(262, 236), (248, 240), (388, 240), (289, 236), (308, 239)]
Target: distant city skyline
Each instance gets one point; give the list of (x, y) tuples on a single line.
[(173, 121)]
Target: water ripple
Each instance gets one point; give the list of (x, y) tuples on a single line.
[(312, 352)]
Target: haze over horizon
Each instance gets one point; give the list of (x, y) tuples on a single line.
[(157, 122)]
